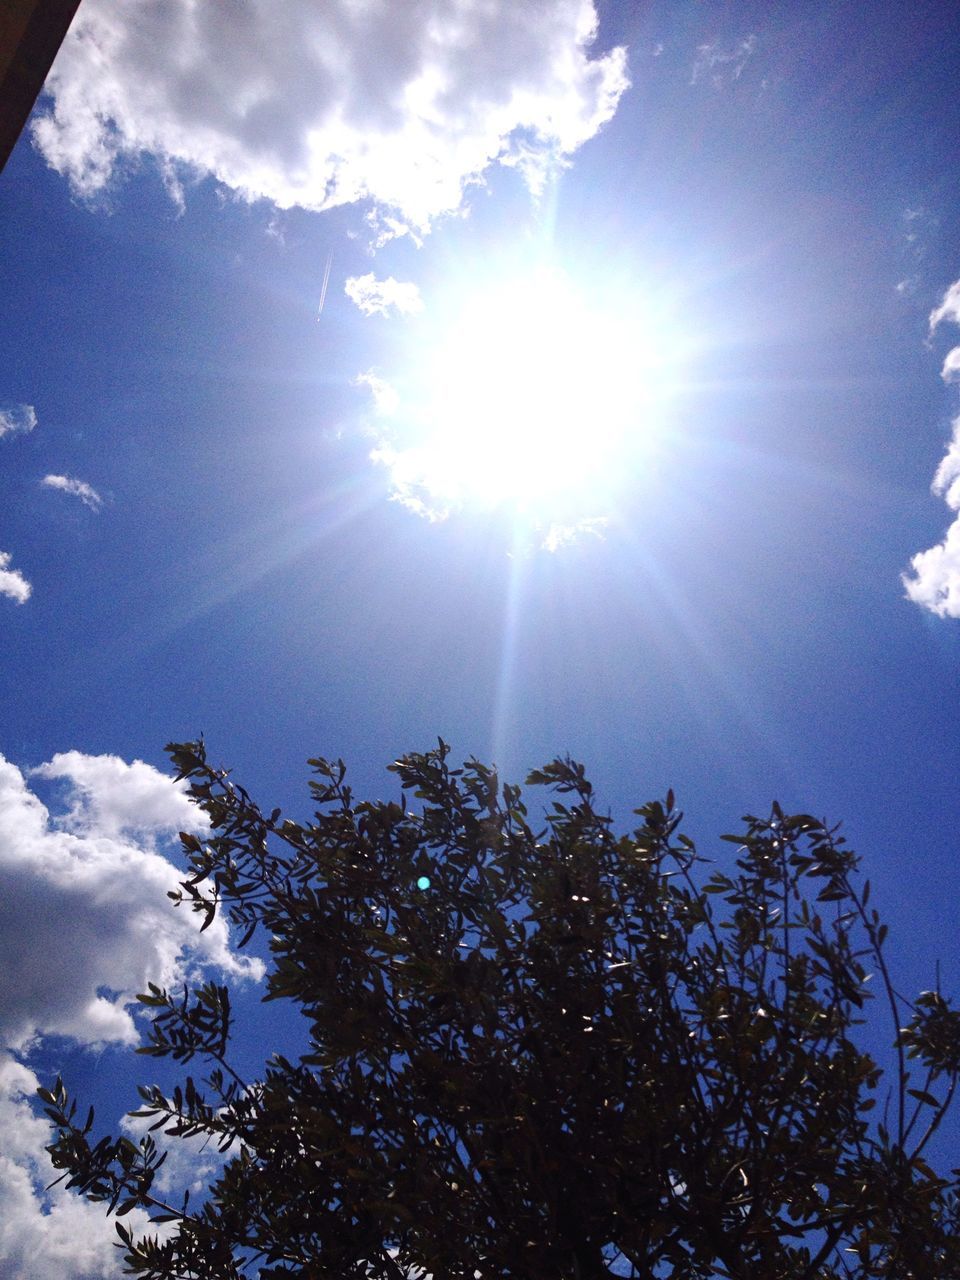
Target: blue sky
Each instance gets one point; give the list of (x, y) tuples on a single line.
[(284, 298)]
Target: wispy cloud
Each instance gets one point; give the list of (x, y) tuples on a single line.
[(322, 105), (79, 488), (934, 577), (17, 420), (918, 224), (12, 582), (722, 62), (562, 535), (414, 481), (380, 297)]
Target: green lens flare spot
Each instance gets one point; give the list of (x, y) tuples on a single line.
[(423, 882)]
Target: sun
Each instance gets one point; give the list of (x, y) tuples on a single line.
[(531, 393)]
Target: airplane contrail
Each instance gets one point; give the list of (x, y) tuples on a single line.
[(323, 288)]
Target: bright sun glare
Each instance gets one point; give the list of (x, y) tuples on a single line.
[(534, 395)]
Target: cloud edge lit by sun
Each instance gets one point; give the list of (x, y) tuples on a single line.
[(532, 396)]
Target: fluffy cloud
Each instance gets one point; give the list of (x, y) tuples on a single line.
[(85, 921), (17, 420), (380, 297), (386, 398), (44, 1235), (946, 483), (949, 308), (79, 488), (321, 105), (934, 577), (108, 797), (935, 583), (192, 1161), (12, 581), (84, 924)]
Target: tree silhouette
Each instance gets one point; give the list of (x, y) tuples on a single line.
[(562, 1053)]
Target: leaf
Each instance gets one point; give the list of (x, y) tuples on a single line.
[(923, 1096)]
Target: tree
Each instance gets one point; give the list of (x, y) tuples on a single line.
[(565, 1053)]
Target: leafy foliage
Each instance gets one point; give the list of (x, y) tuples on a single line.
[(575, 1054)]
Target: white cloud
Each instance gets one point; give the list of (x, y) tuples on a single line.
[(386, 399), (12, 581), (109, 797), (379, 297), (936, 576), (933, 580), (192, 1161), (322, 105), (936, 573), (384, 227), (17, 420), (722, 62), (44, 1235), (949, 308), (85, 922), (414, 482), (79, 488), (946, 482), (562, 535)]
